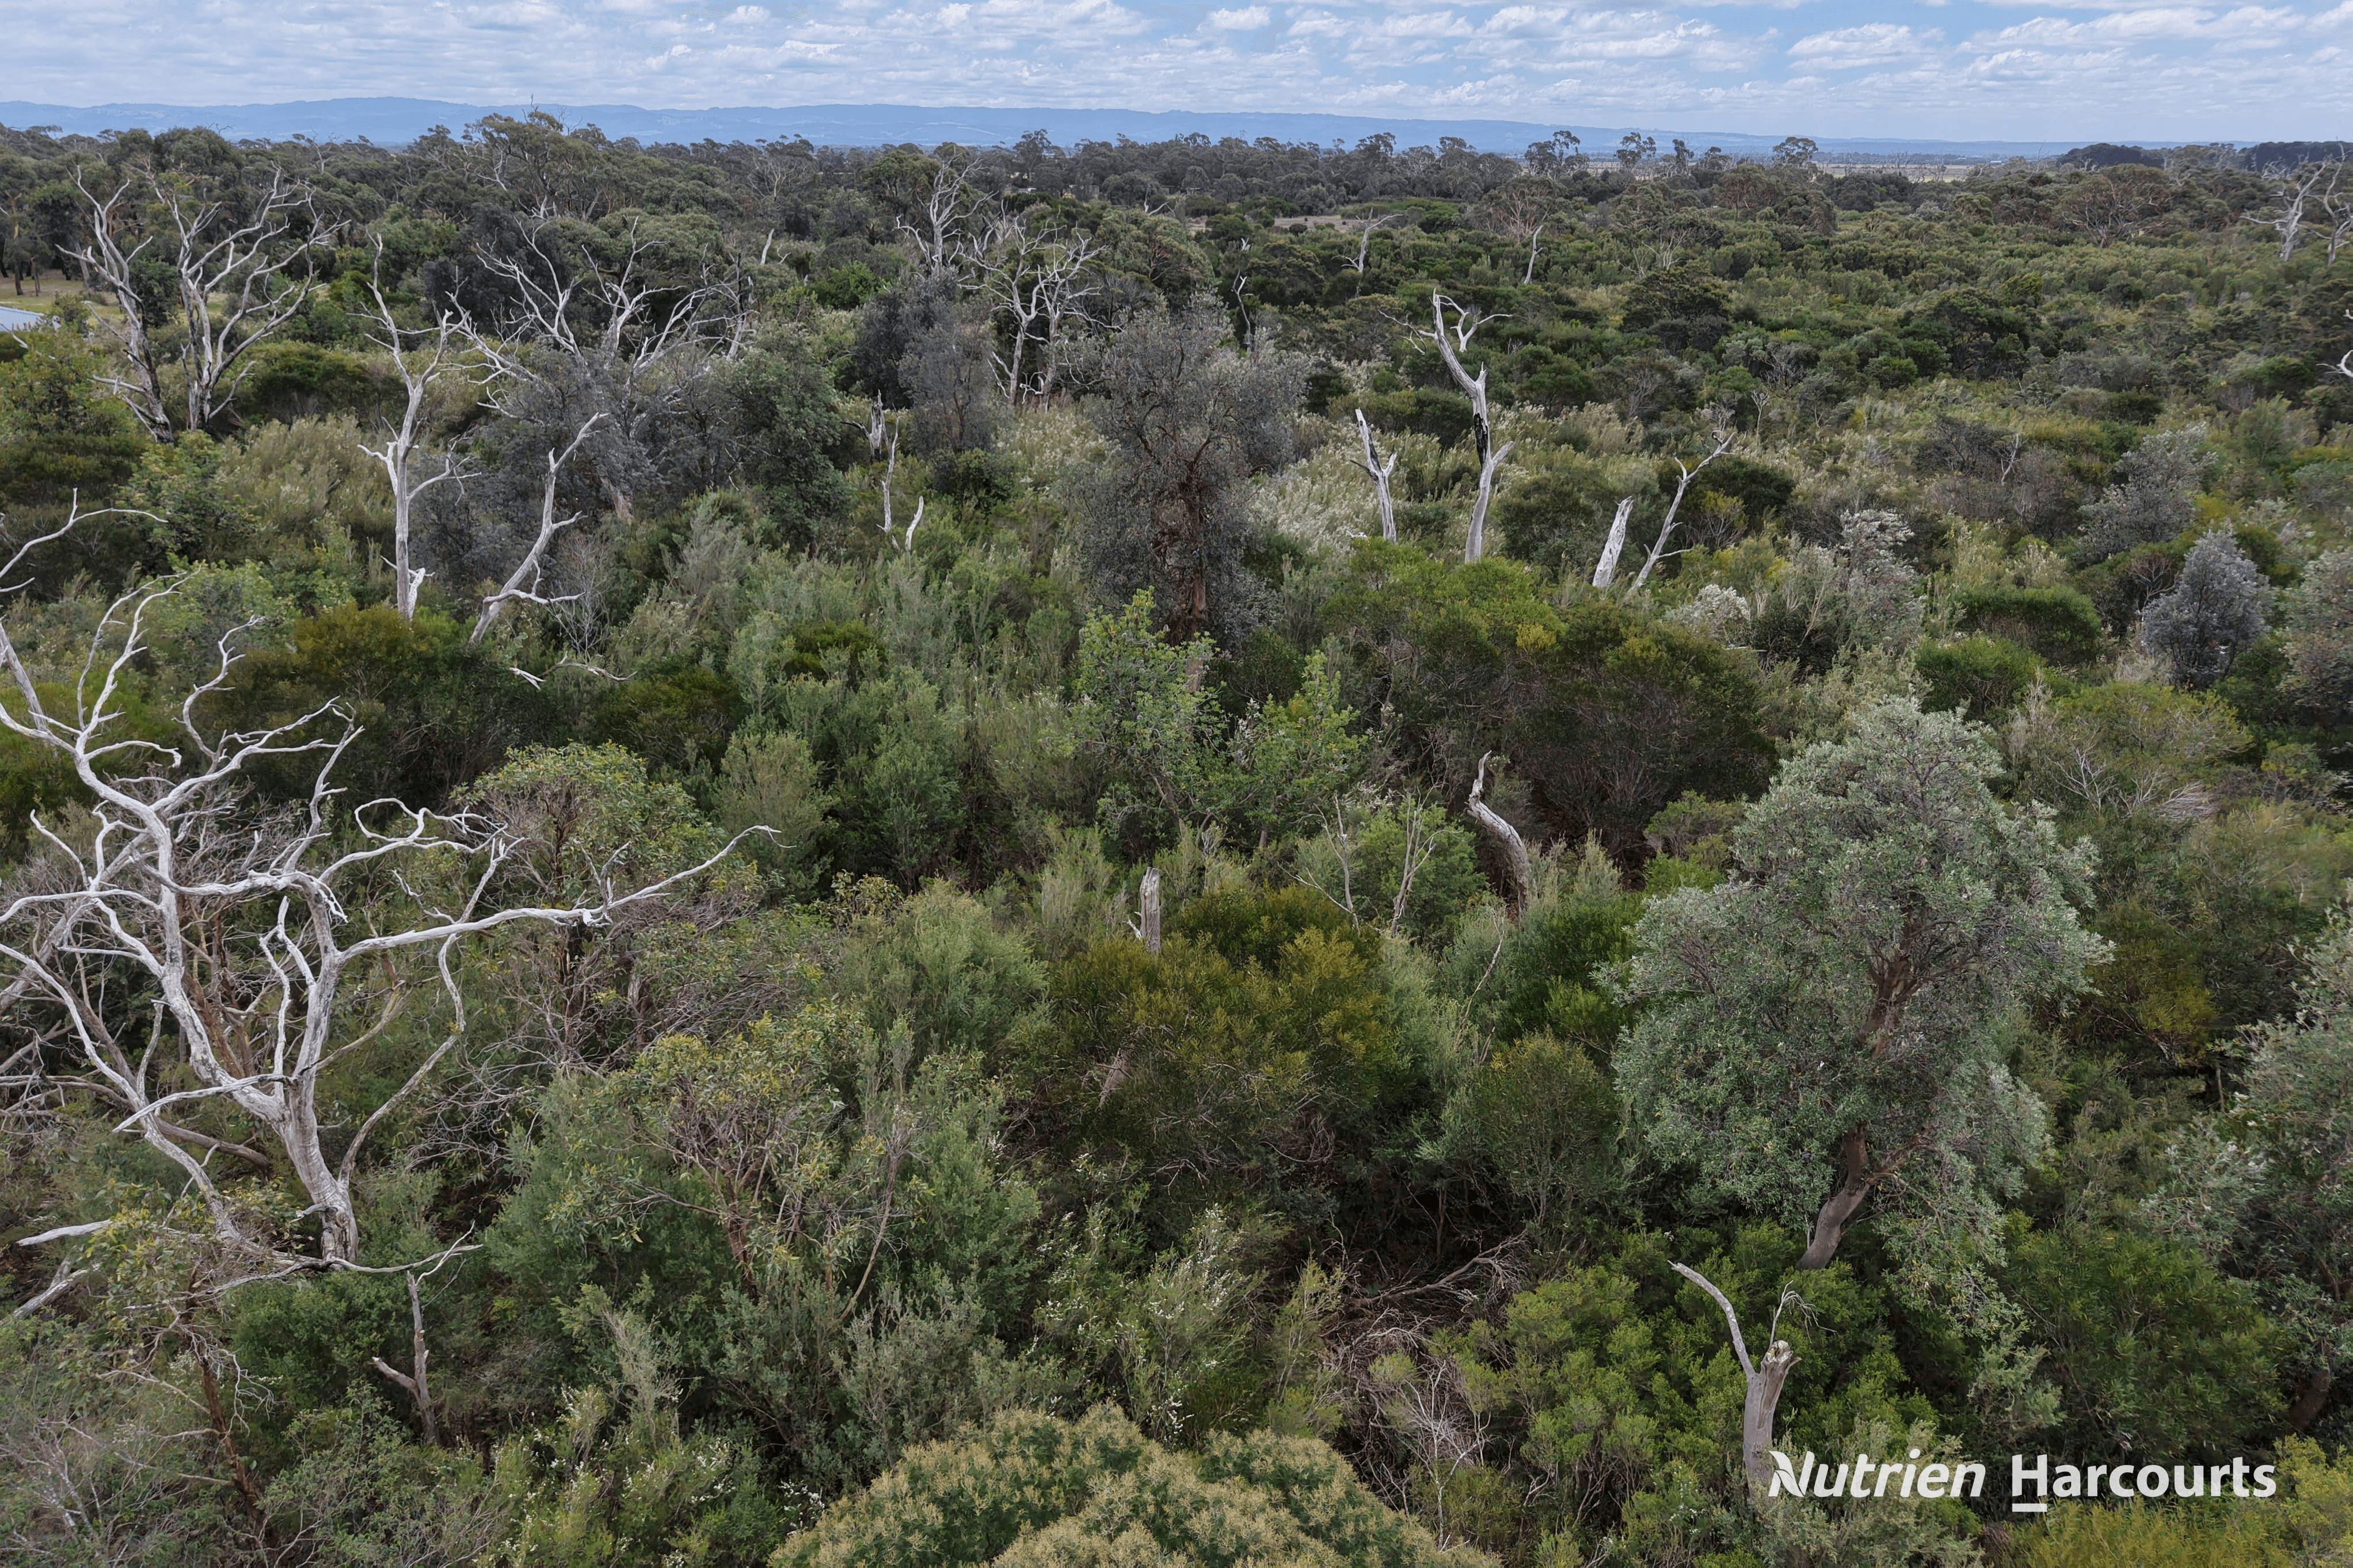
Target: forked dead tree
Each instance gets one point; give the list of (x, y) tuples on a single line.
[(420, 356), (941, 232), (905, 542), (254, 948), (523, 583), (1765, 1380), (1040, 282), (2294, 193), (1720, 419), (1452, 340), (237, 281), (1379, 468)]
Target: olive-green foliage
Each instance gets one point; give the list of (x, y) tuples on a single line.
[(1982, 678), (1615, 1389), (2059, 624), (1231, 1053), (2266, 1191), (61, 432), (1858, 984), (1360, 861), (434, 712), (2320, 635), (2150, 1350), (2151, 1537), (938, 963), (836, 1239), (788, 424), (1608, 714), (1034, 1490)]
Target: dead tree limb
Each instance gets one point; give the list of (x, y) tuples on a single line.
[(1379, 470), (419, 356), (1507, 838), (1605, 571), (528, 568), (1721, 418), (414, 1379), (1468, 321)]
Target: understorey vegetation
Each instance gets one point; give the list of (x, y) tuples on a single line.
[(1198, 854)]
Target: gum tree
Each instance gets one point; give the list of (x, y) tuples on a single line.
[(1831, 1026)]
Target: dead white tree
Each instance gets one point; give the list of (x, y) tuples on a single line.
[(1765, 1380), (1379, 468), (1147, 915), (940, 232), (2339, 210), (1040, 282), (2292, 191), (1605, 571), (1514, 848), (257, 939), (235, 275), (603, 326), (1530, 275), (1452, 340), (414, 1379), (890, 473), (523, 583), (1364, 245), (420, 355), (1724, 434)]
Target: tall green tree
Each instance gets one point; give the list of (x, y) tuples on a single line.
[(1833, 1023)]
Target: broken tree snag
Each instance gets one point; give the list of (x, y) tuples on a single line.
[(1765, 1383), (1468, 321), (1720, 423), (1380, 470), (1507, 838), (1147, 924), (1606, 571), (413, 1379)]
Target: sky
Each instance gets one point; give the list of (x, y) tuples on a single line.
[(2062, 70)]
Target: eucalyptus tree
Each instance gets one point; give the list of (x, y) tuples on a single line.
[(1833, 1024), (1189, 419)]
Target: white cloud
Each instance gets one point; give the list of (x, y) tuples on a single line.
[(1876, 43), (2062, 71)]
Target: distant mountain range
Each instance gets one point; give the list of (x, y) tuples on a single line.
[(396, 119)]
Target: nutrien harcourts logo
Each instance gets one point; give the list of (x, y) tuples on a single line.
[(2032, 1488)]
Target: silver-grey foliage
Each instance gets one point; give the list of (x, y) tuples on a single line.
[(2151, 501), (2213, 613)]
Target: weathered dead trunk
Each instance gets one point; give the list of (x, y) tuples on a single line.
[(413, 1379), (1765, 1381), (1507, 838), (1605, 571), (1147, 924)]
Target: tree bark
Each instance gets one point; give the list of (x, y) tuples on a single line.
[(2311, 1397), (1507, 837), (1605, 571), (1838, 1211), (1147, 927), (418, 1355)]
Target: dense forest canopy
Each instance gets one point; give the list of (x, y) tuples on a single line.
[(1184, 852)]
